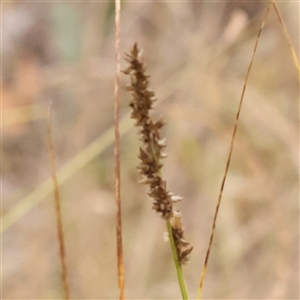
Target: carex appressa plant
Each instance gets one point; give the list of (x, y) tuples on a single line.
[(151, 154)]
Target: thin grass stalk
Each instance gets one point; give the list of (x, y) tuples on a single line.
[(204, 269), (178, 266), (1, 184), (60, 233), (117, 151), (288, 39)]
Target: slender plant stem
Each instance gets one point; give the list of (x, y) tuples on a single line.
[(286, 34), (204, 268), (60, 232), (117, 152), (178, 266)]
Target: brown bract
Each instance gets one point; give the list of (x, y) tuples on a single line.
[(152, 148)]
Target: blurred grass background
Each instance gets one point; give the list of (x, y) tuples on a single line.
[(197, 54)]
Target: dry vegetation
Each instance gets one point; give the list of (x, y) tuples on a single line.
[(197, 54)]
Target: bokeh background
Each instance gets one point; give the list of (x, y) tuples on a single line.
[(197, 54)]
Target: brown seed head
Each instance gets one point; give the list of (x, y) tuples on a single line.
[(152, 148)]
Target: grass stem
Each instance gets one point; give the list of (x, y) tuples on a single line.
[(214, 223), (178, 266), (60, 233), (287, 37), (117, 152)]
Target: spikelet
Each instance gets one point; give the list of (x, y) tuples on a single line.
[(151, 152)]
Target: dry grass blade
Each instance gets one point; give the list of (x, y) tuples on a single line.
[(60, 233), (203, 273), (117, 151), (65, 173), (286, 34)]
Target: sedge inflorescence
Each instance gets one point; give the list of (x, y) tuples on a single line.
[(152, 150)]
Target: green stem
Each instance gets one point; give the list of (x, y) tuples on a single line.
[(178, 266)]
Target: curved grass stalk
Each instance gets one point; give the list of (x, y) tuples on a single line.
[(204, 268), (287, 37)]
